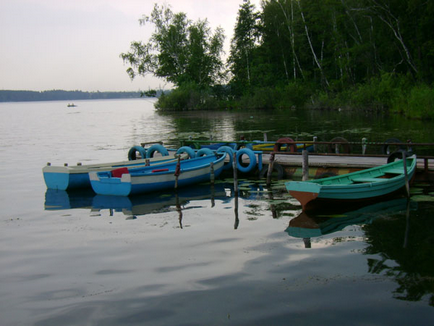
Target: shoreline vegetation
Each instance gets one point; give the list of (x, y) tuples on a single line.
[(353, 54)]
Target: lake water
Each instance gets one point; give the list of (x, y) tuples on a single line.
[(201, 256)]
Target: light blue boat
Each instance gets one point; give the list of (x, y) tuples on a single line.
[(367, 184), (149, 179), (77, 176)]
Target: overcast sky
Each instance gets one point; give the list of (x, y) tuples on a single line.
[(75, 44)]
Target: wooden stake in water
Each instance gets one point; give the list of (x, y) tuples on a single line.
[(212, 176), (407, 184), (177, 171), (270, 169), (234, 167), (305, 165), (315, 146)]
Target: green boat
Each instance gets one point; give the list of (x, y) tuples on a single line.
[(366, 185)]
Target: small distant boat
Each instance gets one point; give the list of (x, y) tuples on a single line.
[(71, 105), (77, 176), (367, 184), (148, 179)]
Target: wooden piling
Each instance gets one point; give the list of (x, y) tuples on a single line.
[(270, 169), (315, 146), (234, 168), (407, 184), (177, 171), (237, 220), (364, 142), (305, 165), (212, 176)]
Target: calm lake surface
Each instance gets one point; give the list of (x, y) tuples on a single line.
[(201, 256)]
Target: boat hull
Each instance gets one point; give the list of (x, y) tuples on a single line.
[(73, 177), (147, 179)]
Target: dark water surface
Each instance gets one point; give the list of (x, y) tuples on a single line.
[(201, 256)]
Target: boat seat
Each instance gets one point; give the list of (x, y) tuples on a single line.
[(395, 171), (369, 180), (117, 173), (160, 170)]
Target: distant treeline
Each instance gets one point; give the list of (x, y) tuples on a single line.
[(60, 95)]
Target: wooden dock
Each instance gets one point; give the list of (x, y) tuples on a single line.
[(334, 164)]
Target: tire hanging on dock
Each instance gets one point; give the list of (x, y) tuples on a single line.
[(132, 153), (290, 145), (204, 152), (277, 168), (386, 148), (230, 152), (252, 158), (346, 148), (186, 149), (156, 148), (398, 155)]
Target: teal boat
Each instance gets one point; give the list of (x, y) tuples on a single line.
[(369, 184)]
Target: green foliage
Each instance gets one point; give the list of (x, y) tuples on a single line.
[(242, 46), (417, 102), (190, 96), (179, 51), (359, 54), (149, 93), (378, 93)]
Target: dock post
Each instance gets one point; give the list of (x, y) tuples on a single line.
[(315, 146), (234, 167), (177, 171), (265, 136), (305, 165), (407, 185), (364, 142), (270, 169), (212, 177)]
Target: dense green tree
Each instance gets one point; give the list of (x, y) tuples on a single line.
[(243, 44), (179, 51)]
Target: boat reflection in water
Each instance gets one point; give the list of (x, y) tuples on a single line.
[(61, 199), (133, 206), (308, 225)]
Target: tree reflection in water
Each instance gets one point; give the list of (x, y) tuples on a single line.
[(408, 241)]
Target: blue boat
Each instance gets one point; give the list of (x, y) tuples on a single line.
[(77, 176), (126, 182), (368, 184)]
